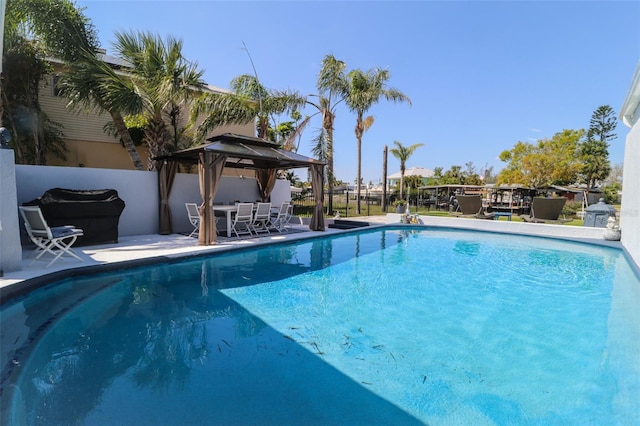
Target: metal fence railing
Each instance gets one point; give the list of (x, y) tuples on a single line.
[(344, 203)]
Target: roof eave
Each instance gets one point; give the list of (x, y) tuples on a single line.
[(631, 105)]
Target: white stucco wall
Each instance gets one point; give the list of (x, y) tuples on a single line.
[(630, 207), (186, 190), (139, 190), (10, 251)]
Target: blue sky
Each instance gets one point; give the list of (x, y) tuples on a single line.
[(481, 75)]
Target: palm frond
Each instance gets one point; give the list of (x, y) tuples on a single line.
[(289, 143)]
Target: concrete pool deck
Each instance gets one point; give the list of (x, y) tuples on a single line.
[(143, 247)]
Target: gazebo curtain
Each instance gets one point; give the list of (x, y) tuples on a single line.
[(210, 166), (266, 181), (317, 184), (166, 175)]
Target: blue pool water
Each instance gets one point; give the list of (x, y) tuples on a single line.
[(378, 327)]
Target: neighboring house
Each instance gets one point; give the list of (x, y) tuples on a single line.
[(88, 144), (394, 180)]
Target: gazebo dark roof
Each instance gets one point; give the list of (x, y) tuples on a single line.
[(245, 152)]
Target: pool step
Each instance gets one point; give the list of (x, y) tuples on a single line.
[(347, 224)]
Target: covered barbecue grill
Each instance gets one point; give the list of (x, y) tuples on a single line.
[(96, 212)]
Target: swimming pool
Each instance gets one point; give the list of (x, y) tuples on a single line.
[(383, 326)]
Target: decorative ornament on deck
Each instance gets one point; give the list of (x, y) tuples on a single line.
[(612, 233)]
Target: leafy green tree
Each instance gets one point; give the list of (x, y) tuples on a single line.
[(281, 132), (288, 133), (249, 100), (610, 193), (91, 83), (293, 178), (513, 172), (160, 82), (437, 176), (471, 175), (414, 181), (595, 150), (33, 30), (33, 133), (550, 161), (403, 153), (364, 90), (453, 176)]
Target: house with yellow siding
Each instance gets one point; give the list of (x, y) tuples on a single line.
[(89, 145)]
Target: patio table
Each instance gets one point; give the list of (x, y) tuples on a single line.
[(227, 210)]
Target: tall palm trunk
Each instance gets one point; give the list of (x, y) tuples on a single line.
[(121, 127), (327, 122), (402, 170), (156, 137), (359, 132), (263, 127)]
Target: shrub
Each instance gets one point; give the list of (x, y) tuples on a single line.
[(571, 208), (610, 193)]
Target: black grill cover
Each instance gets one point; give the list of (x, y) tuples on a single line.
[(96, 212)]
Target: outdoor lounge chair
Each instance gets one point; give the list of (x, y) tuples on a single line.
[(483, 214), (243, 219), (469, 204), (56, 241), (194, 218), (545, 209), (261, 218)]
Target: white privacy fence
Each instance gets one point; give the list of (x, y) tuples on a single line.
[(139, 190)]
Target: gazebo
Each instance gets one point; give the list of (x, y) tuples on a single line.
[(234, 151)]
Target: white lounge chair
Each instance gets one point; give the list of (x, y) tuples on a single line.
[(194, 218), (56, 241), (261, 218), (243, 219)]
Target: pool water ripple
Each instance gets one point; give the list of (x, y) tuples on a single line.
[(378, 327)]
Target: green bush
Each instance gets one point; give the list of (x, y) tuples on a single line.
[(610, 193), (571, 208)]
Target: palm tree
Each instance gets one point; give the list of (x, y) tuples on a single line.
[(92, 83), (403, 153), (332, 86), (159, 79), (249, 100), (33, 30), (365, 90)]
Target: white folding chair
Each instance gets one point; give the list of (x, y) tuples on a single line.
[(243, 219), (289, 215), (194, 218), (279, 219), (261, 218), (56, 241)]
